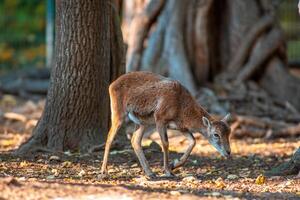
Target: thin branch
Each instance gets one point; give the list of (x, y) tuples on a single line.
[(285, 132)]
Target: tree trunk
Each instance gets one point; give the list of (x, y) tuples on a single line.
[(88, 56), (165, 52), (292, 167), (196, 40)]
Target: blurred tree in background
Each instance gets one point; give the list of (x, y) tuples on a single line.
[(290, 22), (23, 23), (22, 35), (225, 42)]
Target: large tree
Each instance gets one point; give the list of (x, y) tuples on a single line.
[(195, 41), (88, 56), (293, 165), (228, 42)]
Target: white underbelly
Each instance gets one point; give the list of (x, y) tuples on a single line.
[(134, 119), (172, 125)]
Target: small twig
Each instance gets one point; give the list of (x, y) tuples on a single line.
[(96, 148), (15, 116)]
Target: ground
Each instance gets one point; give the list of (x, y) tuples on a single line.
[(74, 176)]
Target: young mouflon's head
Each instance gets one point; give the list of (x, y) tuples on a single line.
[(218, 134)]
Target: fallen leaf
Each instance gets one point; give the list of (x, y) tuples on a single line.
[(8, 100), (134, 165), (260, 180), (15, 116), (50, 177), (66, 164), (121, 151), (175, 193), (55, 172), (201, 170), (220, 183), (81, 173), (189, 179), (266, 189), (24, 164), (68, 153), (215, 194), (45, 167), (31, 123), (194, 161), (56, 158), (232, 176)]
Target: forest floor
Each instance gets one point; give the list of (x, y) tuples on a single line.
[(206, 175)]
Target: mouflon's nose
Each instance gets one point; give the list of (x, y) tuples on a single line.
[(228, 154)]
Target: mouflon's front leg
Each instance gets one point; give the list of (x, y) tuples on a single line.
[(162, 130), (183, 159)]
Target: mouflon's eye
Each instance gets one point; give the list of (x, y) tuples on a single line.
[(216, 135)]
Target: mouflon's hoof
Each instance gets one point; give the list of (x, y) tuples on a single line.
[(168, 174), (103, 175), (174, 164), (151, 176)]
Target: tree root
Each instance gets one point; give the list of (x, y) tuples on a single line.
[(31, 147), (96, 148), (292, 167), (266, 47), (278, 82), (244, 50), (285, 132), (255, 127)]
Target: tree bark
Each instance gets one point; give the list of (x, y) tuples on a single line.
[(88, 56), (280, 83), (292, 167), (140, 27), (196, 40)]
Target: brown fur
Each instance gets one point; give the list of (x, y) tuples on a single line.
[(154, 100), (140, 93)]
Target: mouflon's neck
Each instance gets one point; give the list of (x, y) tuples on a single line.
[(194, 115)]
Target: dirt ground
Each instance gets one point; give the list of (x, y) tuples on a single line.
[(206, 175)]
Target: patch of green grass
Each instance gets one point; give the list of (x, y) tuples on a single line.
[(293, 50), (22, 35)]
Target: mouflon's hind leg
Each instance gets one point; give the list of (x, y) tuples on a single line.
[(110, 137), (136, 142), (183, 159), (117, 118)]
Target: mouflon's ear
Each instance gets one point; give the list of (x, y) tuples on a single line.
[(227, 118), (206, 122)]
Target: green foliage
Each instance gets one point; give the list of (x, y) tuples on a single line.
[(290, 22), (22, 35)]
